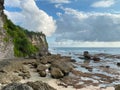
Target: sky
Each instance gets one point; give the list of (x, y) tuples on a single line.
[(69, 23)]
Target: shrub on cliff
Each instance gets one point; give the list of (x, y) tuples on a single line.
[(22, 46)]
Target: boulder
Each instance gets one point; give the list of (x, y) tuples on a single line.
[(41, 67), (34, 64), (42, 73), (87, 55), (39, 85), (65, 67), (25, 74), (56, 73), (17, 86), (95, 58), (42, 70), (49, 59), (45, 59), (118, 64)]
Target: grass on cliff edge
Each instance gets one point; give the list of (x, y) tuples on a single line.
[(22, 46)]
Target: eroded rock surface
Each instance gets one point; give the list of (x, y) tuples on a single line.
[(38, 85)]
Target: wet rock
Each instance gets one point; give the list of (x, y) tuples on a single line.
[(42, 73), (95, 58), (34, 65), (87, 67), (87, 55), (95, 84), (2, 71), (39, 85), (62, 84), (49, 59), (49, 54), (6, 78), (102, 55), (56, 73), (78, 86), (65, 67), (107, 66), (45, 59), (105, 78), (72, 60), (81, 57), (25, 75), (41, 67), (118, 64), (17, 86), (42, 70), (81, 74), (88, 82), (69, 80)]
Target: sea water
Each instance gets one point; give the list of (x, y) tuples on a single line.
[(80, 50), (76, 52)]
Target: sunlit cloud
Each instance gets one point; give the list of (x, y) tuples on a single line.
[(31, 17), (103, 3)]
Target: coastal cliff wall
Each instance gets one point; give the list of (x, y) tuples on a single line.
[(38, 39), (40, 42), (15, 41), (6, 48)]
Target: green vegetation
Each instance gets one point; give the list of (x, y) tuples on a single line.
[(30, 33), (22, 46), (6, 39)]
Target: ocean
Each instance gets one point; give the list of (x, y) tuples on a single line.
[(80, 50), (108, 59)]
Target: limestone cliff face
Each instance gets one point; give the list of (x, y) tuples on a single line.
[(39, 40), (6, 48)]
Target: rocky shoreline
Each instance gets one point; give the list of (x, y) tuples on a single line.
[(61, 70), (15, 71)]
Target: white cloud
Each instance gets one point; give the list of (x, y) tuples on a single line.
[(103, 3), (32, 18), (60, 1), (92, 27), (71, 43), (12, 3)]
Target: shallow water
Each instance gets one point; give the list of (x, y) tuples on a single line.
[(81, 49), (107, 66)]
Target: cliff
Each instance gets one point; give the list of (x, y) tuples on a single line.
[(6, 48), (38, 39), (15, 41)]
